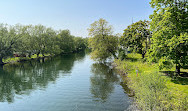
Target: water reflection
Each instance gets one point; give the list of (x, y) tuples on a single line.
[(22, 78), (102, 81)]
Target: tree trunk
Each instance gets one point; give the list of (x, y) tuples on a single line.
[(177, 69), (1, 61), (38, 54), (43, 59), (143, 55), (29, 56)]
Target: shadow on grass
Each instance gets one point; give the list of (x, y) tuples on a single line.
[(131, 59), (182, 79)]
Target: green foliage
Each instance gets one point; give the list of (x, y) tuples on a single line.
[(103, 47), (165, 63), (7, 41), (25, 42), (40, 40), (66, 41), (103, 44), (100, 27), (137, 36), (153, 95), (122, 54), (169, 26), (86, 42), (79, 43), (153, 91)]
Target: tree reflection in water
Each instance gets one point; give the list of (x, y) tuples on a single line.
[(102, 81), (22, 78)]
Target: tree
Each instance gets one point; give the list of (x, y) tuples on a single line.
[(50, 45), (101, 41), (79, 43), (39, 37), (170, 38), (137, 36), (7, 40), (66, 41), (25, 42), (35, 40)]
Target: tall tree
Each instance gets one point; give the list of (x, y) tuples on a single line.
[(8, 38), (170, 33), (137, 36), (25, 42), (49, 43), (39, 38), (102, 42), (66, 41)]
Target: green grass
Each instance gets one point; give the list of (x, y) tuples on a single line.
[(16, 59), (153, 89)]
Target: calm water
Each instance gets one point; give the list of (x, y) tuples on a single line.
[(64, 83)]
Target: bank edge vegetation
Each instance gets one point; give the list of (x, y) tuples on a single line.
[(163, 45), (27, 40)]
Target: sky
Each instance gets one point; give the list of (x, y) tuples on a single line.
[(75, 15)]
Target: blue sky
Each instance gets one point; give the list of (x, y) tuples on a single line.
[(75, 15)]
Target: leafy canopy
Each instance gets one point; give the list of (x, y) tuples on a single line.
[(170, 33), (137, 36), (101, 41)]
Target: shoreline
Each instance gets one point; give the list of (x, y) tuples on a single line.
[(23, 59), (33, 57), (150, 86), (129, 91)]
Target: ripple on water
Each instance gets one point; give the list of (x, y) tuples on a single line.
[(65, 83)]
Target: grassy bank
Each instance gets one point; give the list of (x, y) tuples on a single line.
[(18, 59), (153, 89)]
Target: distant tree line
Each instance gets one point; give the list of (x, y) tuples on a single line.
[(27, 40), (163, 40)]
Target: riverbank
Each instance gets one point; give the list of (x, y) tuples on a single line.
[(11, 60), (153, 89), (70, 81)]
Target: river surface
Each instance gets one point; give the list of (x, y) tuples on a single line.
[(63, 83)]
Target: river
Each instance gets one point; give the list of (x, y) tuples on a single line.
[(63, 83)]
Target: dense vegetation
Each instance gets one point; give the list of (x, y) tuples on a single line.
[(29, 40), (101, 41), (164, 40), (163, 45), (137, 37), (170, 33), (152, 90)]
